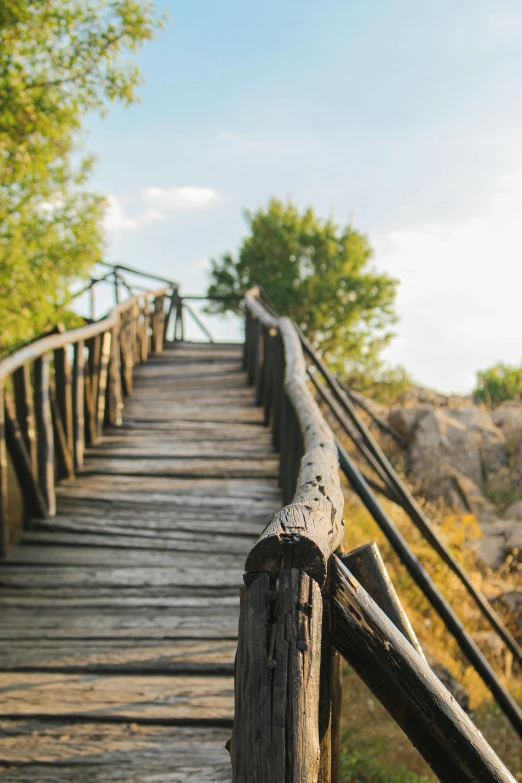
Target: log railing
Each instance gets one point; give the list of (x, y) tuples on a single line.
[(301, 607), (58, 392)]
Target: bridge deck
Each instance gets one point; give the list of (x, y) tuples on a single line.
[(118, 618)]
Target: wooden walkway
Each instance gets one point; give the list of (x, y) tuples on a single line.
[(118, 617)]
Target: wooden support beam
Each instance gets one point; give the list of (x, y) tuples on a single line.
[(367, 566), (78, 398), (275, 738), (406, 686), (443, 608), (23, 394), (34, 501), (44, 428)]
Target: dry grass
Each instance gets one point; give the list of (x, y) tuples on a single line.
[(367, 728)]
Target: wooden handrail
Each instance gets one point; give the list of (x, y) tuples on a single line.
[(51, 343), (287, 681), (60, 405)]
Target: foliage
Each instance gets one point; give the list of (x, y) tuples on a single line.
[(498, 384), (317, 273), (383, 384), (59, 59), (361, 763)]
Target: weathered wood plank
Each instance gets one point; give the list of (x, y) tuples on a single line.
[(165, 466), (109, 558), (143, 656), (58, 752), (125, 698)]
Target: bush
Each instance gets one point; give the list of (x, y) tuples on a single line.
[(498, 384)]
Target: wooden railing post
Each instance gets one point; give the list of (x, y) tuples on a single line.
[(114, 406), (4, 532), (34, 502), (25, 410), (44, 427), (101, 398), (63, 384), (78, 392), (275, 738)]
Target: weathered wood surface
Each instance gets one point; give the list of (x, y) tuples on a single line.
[(123, 609), (62, 752)]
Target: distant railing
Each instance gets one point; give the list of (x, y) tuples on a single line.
[(58, 392), (301, 605)]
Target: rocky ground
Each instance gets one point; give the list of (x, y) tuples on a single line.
[(469, 460)]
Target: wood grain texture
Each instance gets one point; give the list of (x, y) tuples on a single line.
[(303, 534), (123, 608)]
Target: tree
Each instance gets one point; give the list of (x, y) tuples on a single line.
[(59, 60), (498, 384), (319, 274)]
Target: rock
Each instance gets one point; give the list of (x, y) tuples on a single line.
[(495, 650), (511, 603), (490, 551), (514, 511), (404, 420), (508, 418), (449, 682), (445, 441)]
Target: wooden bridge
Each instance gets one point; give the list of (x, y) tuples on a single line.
[(149, 474)]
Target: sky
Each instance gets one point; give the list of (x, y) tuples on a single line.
[(401, 117)]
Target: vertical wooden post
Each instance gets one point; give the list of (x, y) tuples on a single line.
[(25, 411), (92, 375), (102, 383), (4, 532), (260, 363), (34, 502), (158, 324), (78, 399), (145, 336), (44, 427), (115, 403), (63, 383), (275, 738), (330, 696)]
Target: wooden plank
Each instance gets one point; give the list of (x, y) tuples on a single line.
[(218, 468), (111, 558), (109, 539), (59, 752), (44, 426), (41, 577), (140, 656), (122, 697)]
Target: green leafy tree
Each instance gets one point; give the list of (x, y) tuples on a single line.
[(498, 384), (319, 274), (59, 60)]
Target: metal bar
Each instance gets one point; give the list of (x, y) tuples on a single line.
[(139, 272), (406, 686), (198, 320), (410, 505), (432, 593)]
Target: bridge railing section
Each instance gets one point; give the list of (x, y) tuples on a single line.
[(301, 606), (58, 392)]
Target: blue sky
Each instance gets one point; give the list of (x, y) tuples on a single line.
[(404, 119)]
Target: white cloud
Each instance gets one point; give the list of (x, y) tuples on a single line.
[(461, 291), (159, 204)]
